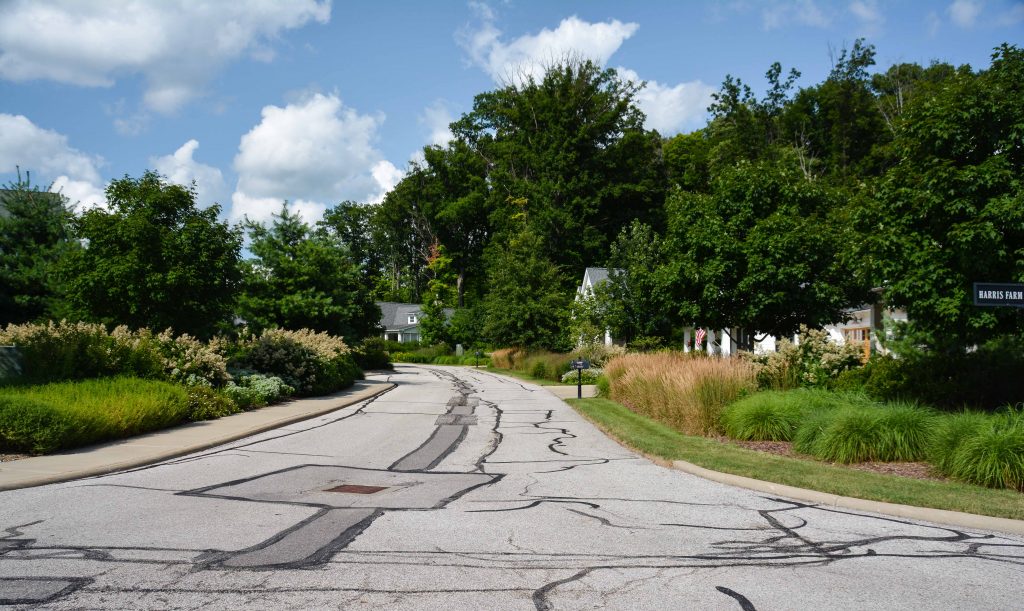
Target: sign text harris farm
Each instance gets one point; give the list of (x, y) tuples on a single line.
[(999, 294)]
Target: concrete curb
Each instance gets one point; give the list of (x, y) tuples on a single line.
[(938, 516), (178, 441)]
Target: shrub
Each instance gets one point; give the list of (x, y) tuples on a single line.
[(311, 362), (907, 431), (986, 378), (56, 416), (539, 369), (54, 352), (686, 391), (256, 390), (814, 362), (590, 376), (597, 354), (372, 354), (603, 387), (984, 450), (207, 404)]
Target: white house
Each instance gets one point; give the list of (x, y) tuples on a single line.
[(592, 277)]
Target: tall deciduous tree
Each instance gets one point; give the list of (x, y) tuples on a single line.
[(762, 251), (300, 279), (573, 144), (951, 212), (35, 227), (154, 259)]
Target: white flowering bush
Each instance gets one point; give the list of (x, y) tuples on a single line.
[(597, 353), (255, 390), (814, 362), (311, 362), (67, 351), (590, 376)]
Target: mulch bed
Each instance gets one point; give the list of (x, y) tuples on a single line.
[(10, 457), (914, 470)]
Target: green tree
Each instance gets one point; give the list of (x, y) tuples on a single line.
[(763, 251), (951, 212), (350, 224), (441, 292), (573, 144), (35, 227), (526, 305), (637, 291), (299, 278), (154, 260)]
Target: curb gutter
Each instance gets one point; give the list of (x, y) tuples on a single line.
[(177, 441)]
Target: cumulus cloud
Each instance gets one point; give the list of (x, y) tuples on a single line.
[(869, 15), (671, 109), (48, 155), (310, 152), (802, 12), (180, 167), (437, 118), (964, 13), (527, 55), (176, 45)]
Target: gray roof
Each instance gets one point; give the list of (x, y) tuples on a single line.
[(597, 275), (394, 316)]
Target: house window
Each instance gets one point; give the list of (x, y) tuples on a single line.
[(412, 319)]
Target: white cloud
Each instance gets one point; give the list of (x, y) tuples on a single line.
[(47, 154), (181, 168), (312, 152), (803, 12), (964, 13), (529, 54), (81, 193), (869, 15), (177, 46), (438, 118), (671, 109)]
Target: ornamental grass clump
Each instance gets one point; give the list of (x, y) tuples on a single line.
[(860, 431), (981, 449), (687, 392), (765, 416)]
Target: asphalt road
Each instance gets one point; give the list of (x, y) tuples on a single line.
[(462, 490)]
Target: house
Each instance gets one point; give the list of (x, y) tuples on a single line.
[(592, 277), (401, 321)]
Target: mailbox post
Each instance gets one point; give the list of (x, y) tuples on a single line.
[(579, 366), (476, 356)]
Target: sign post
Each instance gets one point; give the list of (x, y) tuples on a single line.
[(477, 356), (999, 294), (579, 366)]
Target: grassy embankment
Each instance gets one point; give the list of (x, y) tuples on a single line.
[(718, 389)]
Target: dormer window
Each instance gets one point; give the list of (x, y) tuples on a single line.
[(412, 319)]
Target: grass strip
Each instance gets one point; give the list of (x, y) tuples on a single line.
[(650, 437), (519, 375)]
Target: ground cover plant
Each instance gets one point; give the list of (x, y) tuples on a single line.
[(81, 384), (50, 417)]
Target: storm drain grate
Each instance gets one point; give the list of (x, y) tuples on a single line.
[(356, 489)]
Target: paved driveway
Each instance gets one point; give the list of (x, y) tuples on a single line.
[(464, 490)]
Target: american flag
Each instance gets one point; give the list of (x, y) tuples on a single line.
[(699, 337)]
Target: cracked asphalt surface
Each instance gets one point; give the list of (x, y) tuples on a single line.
[(460, 489)]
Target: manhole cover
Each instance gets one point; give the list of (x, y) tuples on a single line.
[(357, 489)]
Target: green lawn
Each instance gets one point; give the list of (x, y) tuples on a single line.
[(512, 373), (656, 439)]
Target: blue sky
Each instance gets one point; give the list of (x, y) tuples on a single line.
[(314, 102)]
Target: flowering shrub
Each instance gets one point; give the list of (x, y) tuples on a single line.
[(598, 354), (589, 376), (70, 351), (255, 390), (313, 363), (814, 362)]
